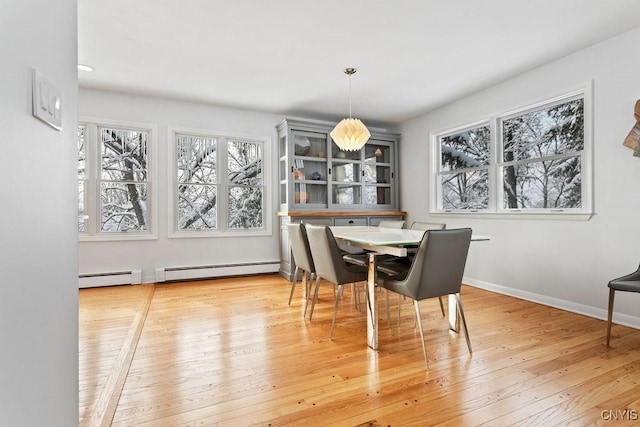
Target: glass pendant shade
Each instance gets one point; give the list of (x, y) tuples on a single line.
[(350, 134)]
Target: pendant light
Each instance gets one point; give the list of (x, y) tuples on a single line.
[(350, 134)]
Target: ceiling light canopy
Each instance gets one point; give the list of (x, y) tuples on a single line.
[(350, 134)]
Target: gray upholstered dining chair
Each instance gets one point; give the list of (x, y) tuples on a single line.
[(302, 258), (329, 265), (388, 223), (628, 283), (420, 226), (436, 271)]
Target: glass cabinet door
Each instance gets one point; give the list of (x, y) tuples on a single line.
[(346, 187), (378, 172), (346, 177), (362, 178), (309, 169)]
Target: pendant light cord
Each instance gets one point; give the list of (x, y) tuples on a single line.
[(350, 95), (350, 71)]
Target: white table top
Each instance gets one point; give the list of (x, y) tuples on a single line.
[(377, 236)]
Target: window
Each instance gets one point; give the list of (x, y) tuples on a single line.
[(542, 153), (114, 181), (245, 186), (197, 182), (220, 184), (465, 157), (82, 179), (534, 160), (123, 179)]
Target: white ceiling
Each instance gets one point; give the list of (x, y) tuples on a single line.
[(287, 56)]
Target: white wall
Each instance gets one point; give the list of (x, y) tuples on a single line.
[(38, 241), (562, 263), (165, 252)]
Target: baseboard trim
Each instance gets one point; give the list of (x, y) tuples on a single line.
[(169, 274), (585, 310)]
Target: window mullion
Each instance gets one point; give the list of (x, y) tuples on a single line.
[(93, 186), (495, 181), (223, 184)]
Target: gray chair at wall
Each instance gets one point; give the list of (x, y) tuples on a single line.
[(329, 265), (436, 271), (302, 258), (628, 283), (424, 226), (388, 223)]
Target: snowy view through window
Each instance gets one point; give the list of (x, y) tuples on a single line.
[(197, 179), (82, 170), (540, 161), (245, 184), (217, 181), (123, 179), (542, 157), (199, 172), (465, 159)]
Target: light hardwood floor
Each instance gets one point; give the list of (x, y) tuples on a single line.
[(231, 352)]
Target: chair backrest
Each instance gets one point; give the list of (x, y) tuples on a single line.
[(424, 226), (387, 223), (327, 257), (438, 266), (300, 247)]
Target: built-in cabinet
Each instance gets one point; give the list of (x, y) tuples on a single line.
[(314, 174), (321, 184)]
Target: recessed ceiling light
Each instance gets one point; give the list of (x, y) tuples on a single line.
[(86, 68)]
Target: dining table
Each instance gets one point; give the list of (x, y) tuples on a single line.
[(390, 241)]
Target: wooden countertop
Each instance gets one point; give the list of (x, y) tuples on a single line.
[(341, 213)]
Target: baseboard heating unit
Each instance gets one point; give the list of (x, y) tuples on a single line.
[(166, 274), (91, 280)]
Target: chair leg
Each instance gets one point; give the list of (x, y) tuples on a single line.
[(464, 321), (355, 295), (307, 292), (612, 294), (441, 306), (315, 297), (335, 311), (308, 285), (386, 300), (419, 321), (294, 280)]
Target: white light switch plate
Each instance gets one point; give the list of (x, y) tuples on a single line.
[(47, 101)]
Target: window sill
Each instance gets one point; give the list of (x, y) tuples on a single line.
[(218, 234), (116, 237), (558, 216)]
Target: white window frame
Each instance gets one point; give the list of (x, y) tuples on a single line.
[(496, 209), (92, 180), (437, 166), (222, 185)]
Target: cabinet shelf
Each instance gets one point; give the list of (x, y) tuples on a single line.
[(311, 181)]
